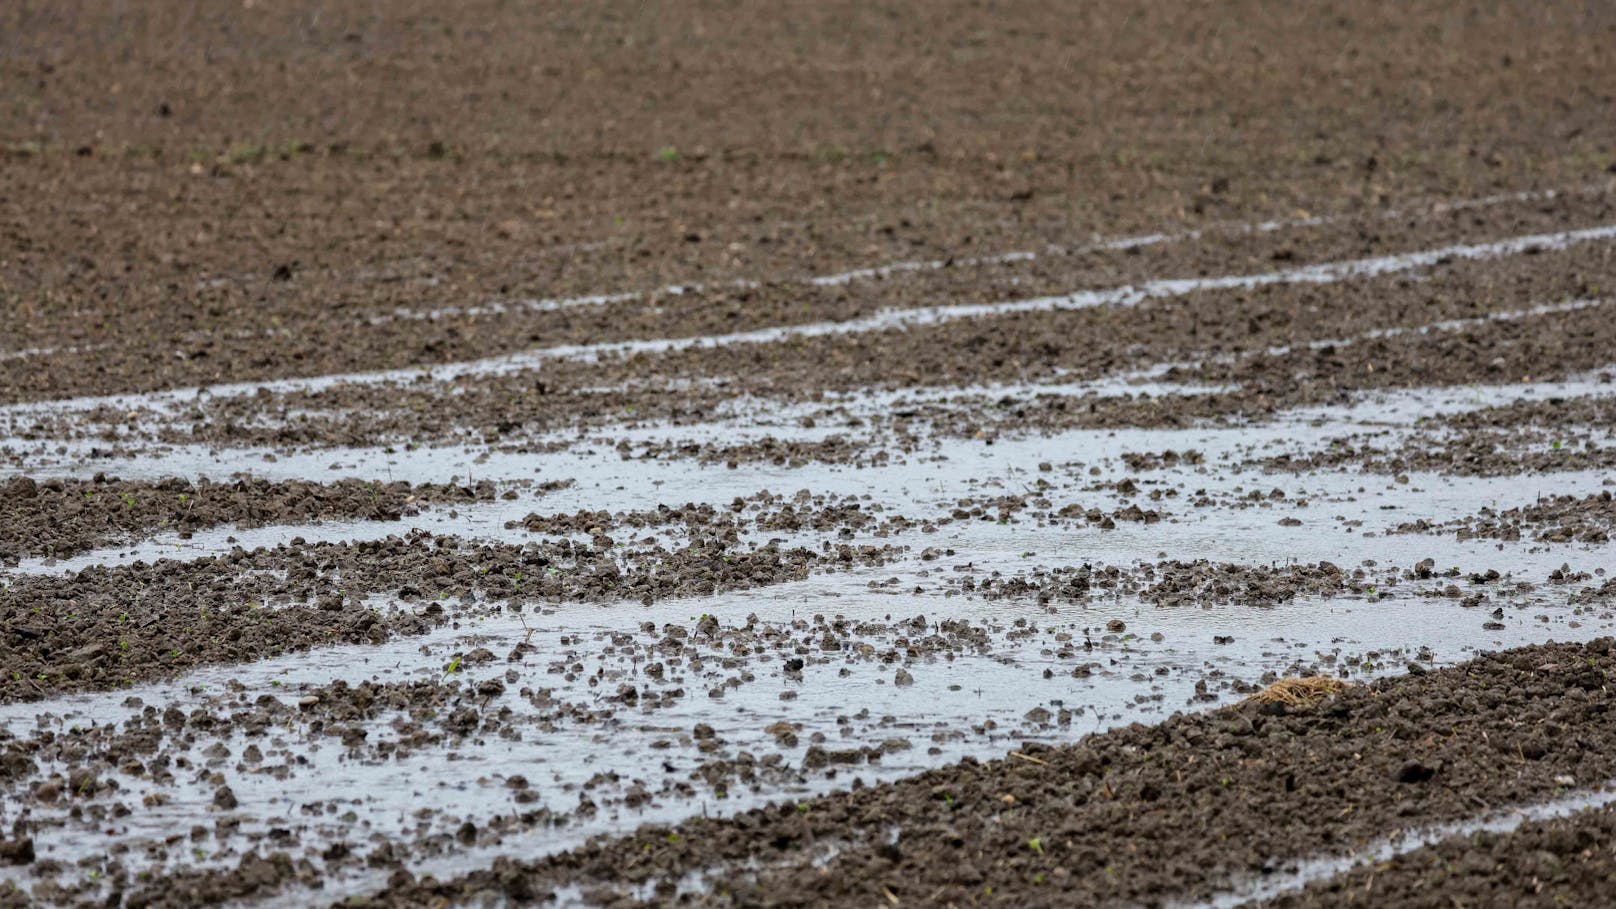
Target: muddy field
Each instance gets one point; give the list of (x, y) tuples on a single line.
[(808, 454)]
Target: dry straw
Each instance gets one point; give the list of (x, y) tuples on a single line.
[(1299, 692)]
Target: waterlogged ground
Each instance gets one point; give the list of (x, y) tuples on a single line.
[(686, 541)]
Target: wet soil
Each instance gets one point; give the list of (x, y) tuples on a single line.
[(1137, 816), (1174, 583), (1562, 519), (1557, 434), (104, 769), (57, 517), (876, 409), (109, 627), (1279, 346), (1566, 861), (217, 196)]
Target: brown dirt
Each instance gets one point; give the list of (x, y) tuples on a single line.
[(1569, 861), (55, 517), (1125, 817), (197, 196), (1560, 519), (1521, 438), (109, 627), (562, 396), (1174, 583)]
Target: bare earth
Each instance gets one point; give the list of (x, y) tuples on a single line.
[(807, 454)]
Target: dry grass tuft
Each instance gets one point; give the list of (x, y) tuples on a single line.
[(1299, 692)]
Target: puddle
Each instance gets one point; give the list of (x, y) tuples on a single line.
[(918, 670), (964, 701), (959, 703)]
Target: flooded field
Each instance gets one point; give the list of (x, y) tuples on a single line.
[(1073, 526)]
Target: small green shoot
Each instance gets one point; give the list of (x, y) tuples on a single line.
[(451, 669)]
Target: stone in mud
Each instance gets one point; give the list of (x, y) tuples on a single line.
[(19, 851)]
